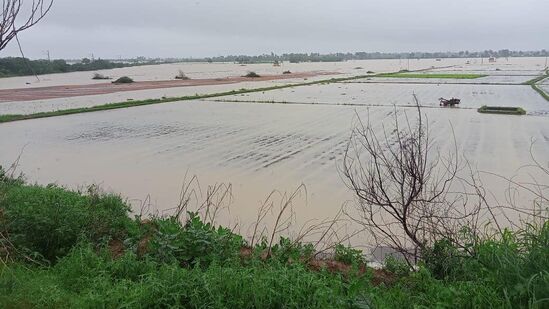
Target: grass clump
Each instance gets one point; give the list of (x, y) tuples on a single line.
[(123, 80), (502, 110), (252, 74), (50, 221)]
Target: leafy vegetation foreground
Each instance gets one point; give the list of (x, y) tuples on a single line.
[(66, 249)]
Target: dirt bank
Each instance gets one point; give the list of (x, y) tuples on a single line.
[(53, 92)]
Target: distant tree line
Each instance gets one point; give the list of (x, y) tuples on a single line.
[(334, 57), (18, 66)]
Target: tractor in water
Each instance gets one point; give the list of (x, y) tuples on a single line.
[(449, 103)]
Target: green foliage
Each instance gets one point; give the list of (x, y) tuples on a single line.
[(503, 110), (396, 266), (285, 250), (50, 221), (17, 66), (444, 260), (348, 255), (195, 243), (166, 263), (86, 279)]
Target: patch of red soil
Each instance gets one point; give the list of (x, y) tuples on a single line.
[(54, 92), (116, 248), (381, 276)]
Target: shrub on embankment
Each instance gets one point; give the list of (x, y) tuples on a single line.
[(60, 248)]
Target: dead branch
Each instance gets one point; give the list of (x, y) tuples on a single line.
[(18, 15), (402, 184)]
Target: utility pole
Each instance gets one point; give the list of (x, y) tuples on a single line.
[(47, 52)]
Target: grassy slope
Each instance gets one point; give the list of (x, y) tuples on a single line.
[(87, 251)]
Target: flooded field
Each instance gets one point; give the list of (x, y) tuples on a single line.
[(472, 96), (259, 147), (220, 70)]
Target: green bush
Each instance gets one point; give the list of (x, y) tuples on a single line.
[(50, 221), (348, 255), (398, 267), (123, 80), (252, 75), (194, 243)]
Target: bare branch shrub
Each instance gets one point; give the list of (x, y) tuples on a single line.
[(403, 185), (14, 11)]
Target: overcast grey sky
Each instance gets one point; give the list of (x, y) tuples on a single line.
[(180, 28)]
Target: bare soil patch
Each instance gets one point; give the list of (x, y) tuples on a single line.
[(54, 92)]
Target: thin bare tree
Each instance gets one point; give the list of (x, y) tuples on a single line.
[(402, 184), (19, 15)]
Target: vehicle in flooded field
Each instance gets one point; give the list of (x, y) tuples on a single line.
[(451, 102)]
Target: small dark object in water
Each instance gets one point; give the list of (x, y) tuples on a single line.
[(452, 102)]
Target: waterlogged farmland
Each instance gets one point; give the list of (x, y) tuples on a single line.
[(275, 139)]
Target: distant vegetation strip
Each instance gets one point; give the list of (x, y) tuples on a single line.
[(126, 104), (427, 75), (340, 57), (18, 66), (533, 83)]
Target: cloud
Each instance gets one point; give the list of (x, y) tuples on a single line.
[(127, 28)]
